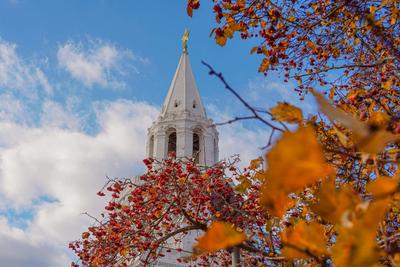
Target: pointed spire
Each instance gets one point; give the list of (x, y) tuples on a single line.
[(183, 95)]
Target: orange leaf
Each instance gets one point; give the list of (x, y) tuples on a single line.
[(333, 203), (85, 235), (304, 239), (356, 245), (229, 31), (219, 235), (367, 138), (189, 10), (296, 161), (383, 186), (275, 202), (254, 49), (245, 183), (287, 113), (221, 39), (379, 118), (376, 141), (311, 45), (255, 163), (264, 65)]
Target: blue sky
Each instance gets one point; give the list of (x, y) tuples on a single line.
[(80, 82), (151, 29)]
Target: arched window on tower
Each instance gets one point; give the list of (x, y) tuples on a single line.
[(151, 147), (196, 147), (172, 143)]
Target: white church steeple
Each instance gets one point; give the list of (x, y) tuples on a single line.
[(183, 127), (183, 95)]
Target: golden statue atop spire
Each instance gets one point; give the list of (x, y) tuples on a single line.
[(185, 39)]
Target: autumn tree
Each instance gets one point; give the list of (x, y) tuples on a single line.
[(328, 193), (149, 216)]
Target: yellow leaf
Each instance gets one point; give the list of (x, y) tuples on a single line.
[(220, 235), (304, 239), (259, 175), (356, 246), (367, 137), (333, 203), (335, 52), (387, 84), (372, 9), (229, 31), (376, 141), (383, 186), (254, 49), (275, 201), (287, 113), (296, 161), (124, 252), (255, 163), (343, 139), (244, 184), (340, 116), (264, 65), (379, 118)]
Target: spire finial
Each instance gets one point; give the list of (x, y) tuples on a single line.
[(185, 39)]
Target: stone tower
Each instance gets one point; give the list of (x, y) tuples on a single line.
[(182, 126)]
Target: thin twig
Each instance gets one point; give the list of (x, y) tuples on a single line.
[(235, 120), (244, 102)]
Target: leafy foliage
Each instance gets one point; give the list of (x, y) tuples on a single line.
[(149, 216)]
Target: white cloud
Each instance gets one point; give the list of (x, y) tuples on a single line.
[(69, 167), (15, 73), (267, 92), (98, 63), (54, 115), (236, 138), (19, 248), (11, 108)]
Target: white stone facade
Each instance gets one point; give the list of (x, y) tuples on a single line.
[(183, 126)]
